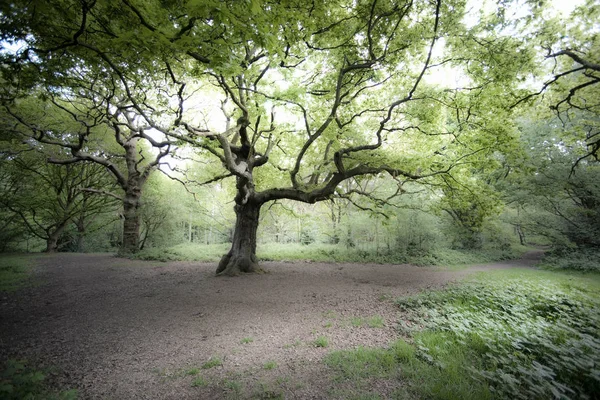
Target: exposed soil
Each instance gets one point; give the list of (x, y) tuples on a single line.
[(119, 329)]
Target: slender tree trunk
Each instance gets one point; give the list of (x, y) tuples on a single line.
[(521, 234), (131, 223), (242, 256)]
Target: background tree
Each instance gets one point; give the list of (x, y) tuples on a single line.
[(47, 198), (568, 57)]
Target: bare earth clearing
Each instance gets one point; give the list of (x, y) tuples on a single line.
[(121, 329)]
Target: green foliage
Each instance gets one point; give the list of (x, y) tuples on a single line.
[(14, 272), (528, 334), (322, 252), (585, 259), (183, 252), (246, 340), (516, 334), (400, 362), (19, 381)]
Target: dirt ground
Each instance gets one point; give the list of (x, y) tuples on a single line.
[(114, 328)]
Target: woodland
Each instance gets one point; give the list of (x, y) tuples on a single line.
[(242, 133), (394, 129)]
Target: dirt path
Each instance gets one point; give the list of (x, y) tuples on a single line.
[(121, 329)]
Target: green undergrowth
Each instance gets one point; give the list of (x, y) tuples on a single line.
[(14, 272), (572, 259), (184, 252), (513, 334), (321, 252), (19, 381)]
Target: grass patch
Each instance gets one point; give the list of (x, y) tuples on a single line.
[(234, 386), (20, 381), (376, 321), (321, 341), (212, 363), (362, 363), (14, 272), (199, 382), (192, 371), (246, 340), (269, 365)]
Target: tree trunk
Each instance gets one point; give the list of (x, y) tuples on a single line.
[(521, 234), (52, 243), (52, 240), (131, 224), (80, 224), (242, 256)]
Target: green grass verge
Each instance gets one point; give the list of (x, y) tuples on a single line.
[(513, 334), (14, 271)]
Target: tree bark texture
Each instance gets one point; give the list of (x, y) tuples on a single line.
[(131, 223), (241, 258), (53, 236)]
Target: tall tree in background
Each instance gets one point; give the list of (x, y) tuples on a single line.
[(69, 89)]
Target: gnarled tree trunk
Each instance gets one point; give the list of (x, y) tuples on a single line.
[(131, 223), (242, 256), (53, 236)]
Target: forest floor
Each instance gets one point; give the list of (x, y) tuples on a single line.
[(115, 328)]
